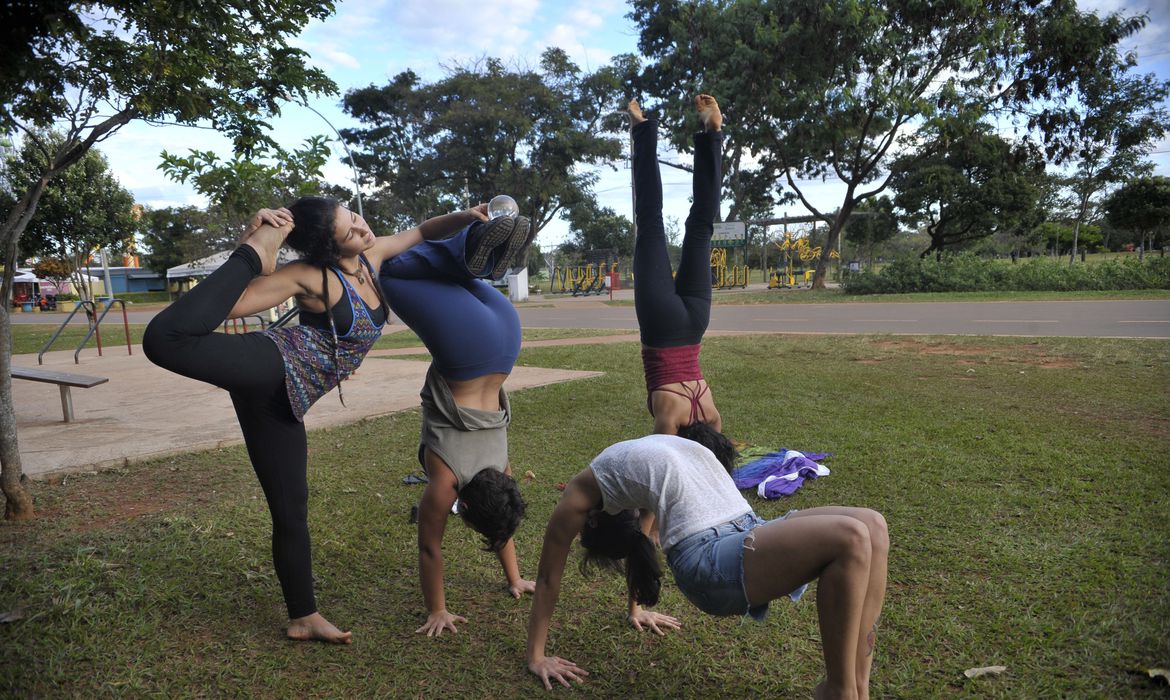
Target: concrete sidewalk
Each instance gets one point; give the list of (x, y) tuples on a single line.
[(145, 411)]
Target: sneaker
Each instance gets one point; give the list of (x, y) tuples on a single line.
[(522, 235), (483, 238)]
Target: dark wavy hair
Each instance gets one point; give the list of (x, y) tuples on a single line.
[(491, 505), (608, 539), (312, 234), (713, 440)]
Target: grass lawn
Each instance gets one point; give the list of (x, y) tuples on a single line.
[(1026, 483), (30, 338)]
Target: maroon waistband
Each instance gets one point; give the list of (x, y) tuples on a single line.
[(670, 365)]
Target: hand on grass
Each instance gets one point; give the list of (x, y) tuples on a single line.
[(439, 621), (656, 622), (521, 587), (550, 668)]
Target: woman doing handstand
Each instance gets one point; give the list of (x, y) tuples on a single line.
[(673, 312), (473, 334)]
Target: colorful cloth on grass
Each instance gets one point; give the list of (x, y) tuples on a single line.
[(780, 473)]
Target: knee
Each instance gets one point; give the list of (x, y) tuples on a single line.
[(155, 340), (854, 539), (879, 533)]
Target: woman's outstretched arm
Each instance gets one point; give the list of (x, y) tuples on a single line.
[(581, 495), (433, 512), (434, 228)]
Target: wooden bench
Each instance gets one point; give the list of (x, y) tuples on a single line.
[(63, 380)]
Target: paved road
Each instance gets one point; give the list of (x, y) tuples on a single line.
[(1078, 318), (1097, 319)]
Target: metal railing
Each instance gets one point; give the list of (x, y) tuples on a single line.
[(94, 328)]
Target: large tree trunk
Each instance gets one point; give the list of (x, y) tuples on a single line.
[(18, 501), (829, 247)]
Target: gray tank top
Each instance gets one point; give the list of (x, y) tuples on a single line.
[(467, 439)]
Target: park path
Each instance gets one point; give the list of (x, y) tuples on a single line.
[(145, 412)]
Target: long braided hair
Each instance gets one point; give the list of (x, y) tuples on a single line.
[(314, 219)]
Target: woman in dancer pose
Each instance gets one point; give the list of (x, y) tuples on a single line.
[(473, 334), (274, 376), (725, 559)]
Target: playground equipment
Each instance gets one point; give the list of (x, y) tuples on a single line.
[(594, 277), (724, 277), (795, 249), (95, 320)]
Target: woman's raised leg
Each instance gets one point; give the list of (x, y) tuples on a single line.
[(835, 550), (875, 594)]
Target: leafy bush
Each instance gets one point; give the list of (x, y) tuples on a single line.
[(970, 273)]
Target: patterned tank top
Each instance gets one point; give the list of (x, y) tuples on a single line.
[(314, 362)]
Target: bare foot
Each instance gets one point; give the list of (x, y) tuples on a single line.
[(635, 110), (316, 628), (266, 240), (709, 112), (823, 692)]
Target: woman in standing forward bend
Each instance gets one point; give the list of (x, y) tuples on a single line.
[(274, 376)]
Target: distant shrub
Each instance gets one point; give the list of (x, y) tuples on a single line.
[(969, 273)]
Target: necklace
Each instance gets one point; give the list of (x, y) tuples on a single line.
[(359, 273)]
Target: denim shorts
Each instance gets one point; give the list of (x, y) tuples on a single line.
[(708, 567)]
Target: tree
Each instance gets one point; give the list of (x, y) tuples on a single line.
[(877, 224), (97, 66), (56, 270), (970, 188), (236, 188), (81, 210), (1122, 117), (176, 235), (596, 227), (487, 129), (1142, 206), (839, 88)]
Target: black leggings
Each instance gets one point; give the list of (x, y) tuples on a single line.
[(182, 338), (673, 312)]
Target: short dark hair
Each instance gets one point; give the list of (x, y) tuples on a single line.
[(712, 439), (608, 539), (312, 234), (491, 505)]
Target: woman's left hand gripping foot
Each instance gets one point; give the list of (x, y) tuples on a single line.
[(316, 628)]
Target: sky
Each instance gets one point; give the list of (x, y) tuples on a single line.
[(366, 42)]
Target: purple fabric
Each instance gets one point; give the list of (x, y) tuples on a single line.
[(795, 466)]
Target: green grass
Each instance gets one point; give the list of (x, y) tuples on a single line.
[(30, 338), (407, 338), (1026, 483)]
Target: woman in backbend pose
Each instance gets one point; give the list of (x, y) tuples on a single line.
[(725, 559), (673, 312), (473, 334), (274, 376)]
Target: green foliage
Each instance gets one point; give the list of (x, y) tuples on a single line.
[(966, 273), (81, 210), (830, 89), (176, 235), (483, 130), (976, 185), (1142, 206), (237, 188), (56, 270)]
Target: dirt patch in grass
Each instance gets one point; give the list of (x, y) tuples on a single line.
[(1031, 355), (95, 501)]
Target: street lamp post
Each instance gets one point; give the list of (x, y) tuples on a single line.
[(357, 190)]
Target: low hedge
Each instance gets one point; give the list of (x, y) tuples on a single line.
[(970, 273)]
